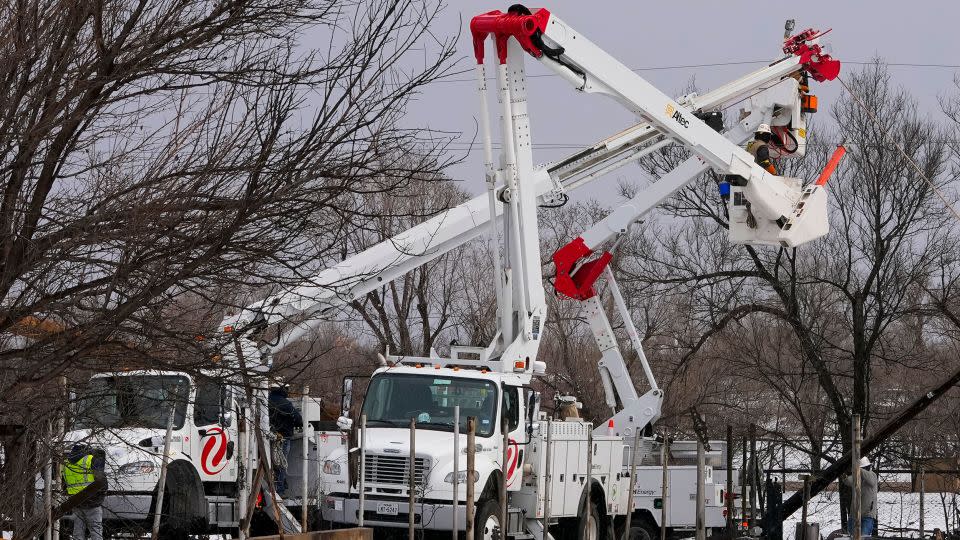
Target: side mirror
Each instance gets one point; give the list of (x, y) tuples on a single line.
[(226, 419), (344, 423), (346, 396), (533, 409)]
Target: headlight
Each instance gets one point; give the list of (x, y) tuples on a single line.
[(138, 467), (461, 477), (331, 467)]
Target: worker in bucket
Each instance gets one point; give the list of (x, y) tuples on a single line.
[(284, 420), (868, 499), (83, 474), (760, 148)]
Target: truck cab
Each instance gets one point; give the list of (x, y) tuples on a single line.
[(125, 414), (428, 394)]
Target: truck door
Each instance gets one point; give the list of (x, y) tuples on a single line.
[(512, 409), (213, 443)]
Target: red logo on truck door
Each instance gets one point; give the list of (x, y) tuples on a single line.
[(512, 455), (213, 457)]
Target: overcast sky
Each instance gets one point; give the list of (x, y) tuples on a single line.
[(677, 41)]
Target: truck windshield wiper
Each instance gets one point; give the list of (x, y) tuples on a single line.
[(440, 424), (384, 421)]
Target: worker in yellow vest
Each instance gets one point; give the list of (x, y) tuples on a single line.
[(82, 468)]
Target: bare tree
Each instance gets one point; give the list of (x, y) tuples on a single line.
[(831, 313), (408, 315), (153, 150)]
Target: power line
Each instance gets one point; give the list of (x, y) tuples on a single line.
[(573, 146), (723, 64)]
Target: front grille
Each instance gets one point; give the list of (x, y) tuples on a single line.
[(381, 469)]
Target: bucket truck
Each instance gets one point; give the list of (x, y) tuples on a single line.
[(492, 382)]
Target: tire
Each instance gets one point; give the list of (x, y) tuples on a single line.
[(261, 524), (592, 526), (486, 518), (640, 531), (184, 505)]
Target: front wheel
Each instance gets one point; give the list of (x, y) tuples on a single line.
[(486, 524)]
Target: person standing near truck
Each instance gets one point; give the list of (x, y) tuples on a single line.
[(868, 499), (284, 420), (83, 474)]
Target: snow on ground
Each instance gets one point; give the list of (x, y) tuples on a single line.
[(898, 514)]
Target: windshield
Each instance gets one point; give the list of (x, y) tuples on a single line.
[(393, 399), (133, 401)]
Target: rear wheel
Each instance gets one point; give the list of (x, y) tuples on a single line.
[(643, 532), (486, 525), (591, 526)]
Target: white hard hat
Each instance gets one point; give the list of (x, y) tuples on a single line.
[(864, 462), (763, 128)]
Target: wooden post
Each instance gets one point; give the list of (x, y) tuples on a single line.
[(664, 489), (363, 468), (243, 470), (304, 454), (471, 473), (744, 482), (922, 496), (412, 481), (265, 463), (547, 481), (729, 491), (701, 506), (856, 510), (48, 484), (454, 530), (61, 423), (589, 484), (783, 470), (806, 501), (503, 485), (754, 491), (161, 485), (633, 484)]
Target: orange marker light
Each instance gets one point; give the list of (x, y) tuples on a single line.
[(228, 328)]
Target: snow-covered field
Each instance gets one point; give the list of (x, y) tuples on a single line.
[(898, 514)]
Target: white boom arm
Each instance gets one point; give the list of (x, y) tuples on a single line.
[(376, 266)]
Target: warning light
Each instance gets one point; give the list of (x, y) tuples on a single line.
[(518, 365), (228, 328)]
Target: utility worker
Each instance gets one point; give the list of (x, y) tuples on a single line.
[(868, 499), (284, 420), (82, 468), (760, 147)]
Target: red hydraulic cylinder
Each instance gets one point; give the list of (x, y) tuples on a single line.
[(831, 165)]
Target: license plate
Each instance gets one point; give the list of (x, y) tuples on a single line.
[(388, 509)]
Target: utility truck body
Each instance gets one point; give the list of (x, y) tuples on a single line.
[(429, 393)]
